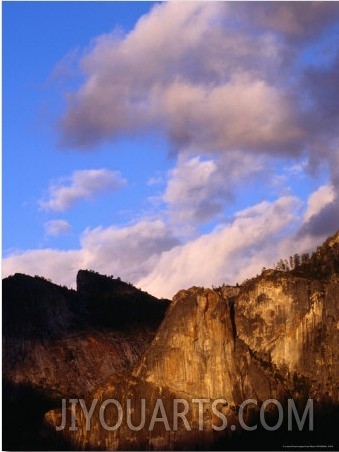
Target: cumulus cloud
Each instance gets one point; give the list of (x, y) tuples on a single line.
[(322, 216), (83, 184), (199, 189), (57, 265), (229, 253), (129, 252), (324, 222), (244, 114), (192, 190), (54, 228), (295, 21), (241, 78), (223, 84), (149, 254), (322, 196), (257, 237), (132, 84)]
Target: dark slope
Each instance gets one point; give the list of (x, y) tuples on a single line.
[(114, 303), (60, 343)]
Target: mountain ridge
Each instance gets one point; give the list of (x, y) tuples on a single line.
[(275, 335), (56, 345)]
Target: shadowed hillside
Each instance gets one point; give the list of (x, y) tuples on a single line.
[(61, 343)]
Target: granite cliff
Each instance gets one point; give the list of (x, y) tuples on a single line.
[(275, 336)]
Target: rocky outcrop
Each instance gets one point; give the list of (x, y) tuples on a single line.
[(195, 354), (291, 324), (196, 351), (275, 336)]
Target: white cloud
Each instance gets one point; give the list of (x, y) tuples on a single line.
[(229, 254), (83, 184), (199, 190), (316, 202), (209, 89), (59, 266), (192, 190), (213, 76), (243, 113), (149, 255), (226, 81), (54, 228), (129, 252)]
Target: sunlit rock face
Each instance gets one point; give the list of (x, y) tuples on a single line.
[(195, 354), (291, 323), (275, 336), (196, 351)]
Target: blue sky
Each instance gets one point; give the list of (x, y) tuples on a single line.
[(172, 144)]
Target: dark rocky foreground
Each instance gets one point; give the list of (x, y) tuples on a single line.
[(60, 343), (275, 336)]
